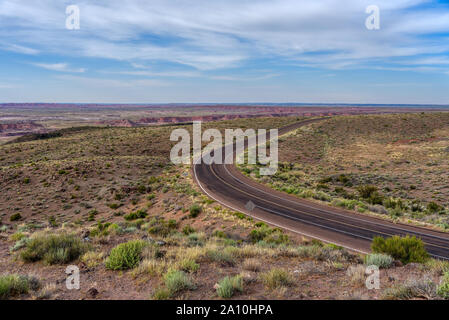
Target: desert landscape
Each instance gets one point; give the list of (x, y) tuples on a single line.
[(89, 195), (226, 158)]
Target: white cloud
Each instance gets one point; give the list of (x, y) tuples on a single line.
[(19, 49), (112, 83), (60, 67), (208, 35)]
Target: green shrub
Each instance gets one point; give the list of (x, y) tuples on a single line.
[(161, 294), (443, 288), (53, 248), (196, 239), (160, 226), (13, 284), (139, 214), (269, 235), (17, 236), (195, 210), (126, 255), (406, 249), (379, 259), (15, 217), (229, 285), (103, 229), (276, 278), (434, 207), (371, 194), (188, 230), (176, 281), (114, 205), (188, 265), (224, 256), (366, 191)]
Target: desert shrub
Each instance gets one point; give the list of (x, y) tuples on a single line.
[(229, 285), (308, 251), (161, 294), (379, 259), (434, 207), (139, 214), (439, 267), (356, 275), (252, 265), (269, 235), (196, 239), (406, 249), (416, 288), (53, 248), (92, 258), (91, 215), (224, 256), (347, 204), (443, 287), (19, 244), (220, 234), (366, 191), (276, 278), (114, 205), (176, 281), (52, 221), (188, 229), (371, 194), (102, 229), (195, 210), (188, 265), (378, 209), (126, 255), (160, 226), (15, 217), (13, 284), (152, 267), (17, 236)]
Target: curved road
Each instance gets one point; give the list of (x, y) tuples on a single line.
[(225, 184)]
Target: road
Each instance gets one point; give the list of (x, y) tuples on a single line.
[(228, 186)]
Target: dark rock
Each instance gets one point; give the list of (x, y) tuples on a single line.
[(397, 263), (92, 292)]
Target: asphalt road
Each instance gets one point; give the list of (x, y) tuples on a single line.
[(225, 184)]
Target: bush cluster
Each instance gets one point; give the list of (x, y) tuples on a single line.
[(53, 248), (406, 249), (126, 255)]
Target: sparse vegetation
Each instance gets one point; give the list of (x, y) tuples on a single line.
[(276, 278), (443, 287), (12, 285)]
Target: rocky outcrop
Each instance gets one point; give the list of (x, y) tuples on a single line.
[(20, 126)]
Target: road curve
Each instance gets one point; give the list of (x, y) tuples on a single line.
[(225, 184)]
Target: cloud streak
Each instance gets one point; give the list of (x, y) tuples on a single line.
[(59, 67)]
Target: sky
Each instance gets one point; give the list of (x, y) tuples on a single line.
[(224, 51)]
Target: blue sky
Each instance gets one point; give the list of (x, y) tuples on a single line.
[(160, 51)]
